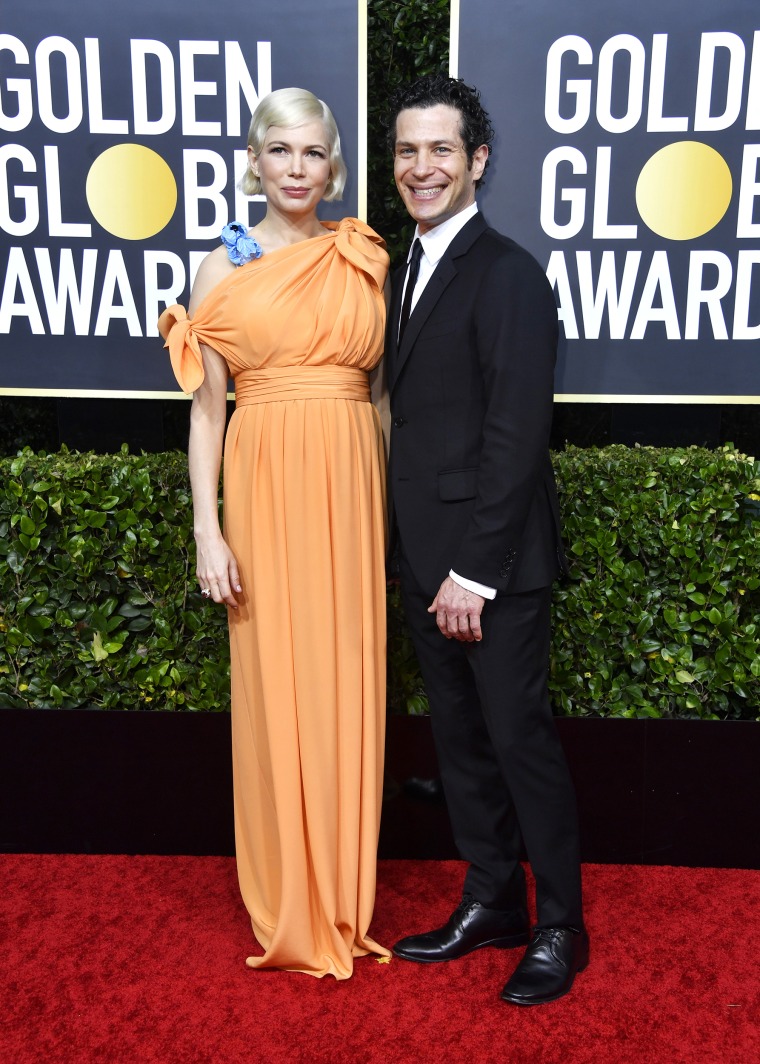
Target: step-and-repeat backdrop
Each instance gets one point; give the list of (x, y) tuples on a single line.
[(122, 137), (627, 159)]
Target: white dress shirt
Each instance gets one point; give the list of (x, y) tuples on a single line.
[(434, 244)]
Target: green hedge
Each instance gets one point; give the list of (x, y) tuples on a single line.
[(99, 604), (661, 616)]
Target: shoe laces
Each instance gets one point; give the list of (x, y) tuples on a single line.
[(468, 902), (549, 933), (551, 936)]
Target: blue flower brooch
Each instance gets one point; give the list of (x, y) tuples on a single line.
[(241, 248)]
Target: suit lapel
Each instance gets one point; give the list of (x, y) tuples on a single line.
[(394, 310), (441, 278)]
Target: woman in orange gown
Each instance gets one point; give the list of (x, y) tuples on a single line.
[(294, 311)]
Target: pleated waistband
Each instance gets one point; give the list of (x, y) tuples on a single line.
[(301, 382)]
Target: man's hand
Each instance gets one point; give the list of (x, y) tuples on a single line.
[(457, 612)]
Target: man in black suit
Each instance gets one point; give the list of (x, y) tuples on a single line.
[(470, 356)]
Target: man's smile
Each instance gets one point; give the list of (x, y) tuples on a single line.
[(427, 193)]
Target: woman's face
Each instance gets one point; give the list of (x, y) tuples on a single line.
[(293, 167)]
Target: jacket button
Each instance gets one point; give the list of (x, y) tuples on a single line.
[(399, 422)]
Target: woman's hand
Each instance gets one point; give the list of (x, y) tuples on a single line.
[(217, 570)]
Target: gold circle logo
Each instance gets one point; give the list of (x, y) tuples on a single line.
[(684, 190), (131, 191)]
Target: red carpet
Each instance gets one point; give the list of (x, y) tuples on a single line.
[(137, 959)]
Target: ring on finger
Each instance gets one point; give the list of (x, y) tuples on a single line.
[(206, 592)]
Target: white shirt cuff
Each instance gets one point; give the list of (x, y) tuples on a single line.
[(472, 585)]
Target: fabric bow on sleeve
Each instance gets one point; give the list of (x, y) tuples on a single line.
[(184, 348), (362, 247)]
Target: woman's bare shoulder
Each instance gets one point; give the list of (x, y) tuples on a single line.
[(214, 268)]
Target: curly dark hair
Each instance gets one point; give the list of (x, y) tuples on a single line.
[(434, 89)]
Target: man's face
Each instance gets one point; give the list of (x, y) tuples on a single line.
[(430, 165)]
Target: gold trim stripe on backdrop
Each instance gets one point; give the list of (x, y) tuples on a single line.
[(642, 400), (361, 152), (560, 397), (96, 393), (454, 40)]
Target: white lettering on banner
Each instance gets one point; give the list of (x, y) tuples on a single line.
[(56, 225), (612, 292), (25, 194), (633, 47), (73, 117), (19, 202), (191, 89), (19, 87), (98, 124), (195, 193), (156, 296), (13, 195), (657, 285), (704, 121), (153, 101), (116, 281), (48, 188), (144, 125), (66, 290), (580, 88), (742, 330), (576, 197), (657, 120), (606, 294), (571, 50), (710, 297), (749, 193), (753, 93), (602, 228), (559, 277), (682, 190), (238, 79), (17, 276)]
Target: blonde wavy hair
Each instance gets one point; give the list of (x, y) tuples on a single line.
[(290, 108)]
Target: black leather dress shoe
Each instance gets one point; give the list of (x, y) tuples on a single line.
[(549, 966), (470, 926)]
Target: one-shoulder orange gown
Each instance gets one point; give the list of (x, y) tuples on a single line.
[(304, 488)]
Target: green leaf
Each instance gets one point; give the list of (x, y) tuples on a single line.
[(98, 651), (95, 519), (15, 561)]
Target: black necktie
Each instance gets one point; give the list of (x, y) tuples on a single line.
[(411, 281)]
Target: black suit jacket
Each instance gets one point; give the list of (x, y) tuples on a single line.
[(471, 390)]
